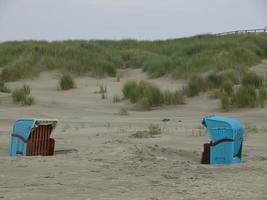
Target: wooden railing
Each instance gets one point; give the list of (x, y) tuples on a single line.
[(247, 31)]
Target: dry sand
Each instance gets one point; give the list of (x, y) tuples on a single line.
[(97, 157)]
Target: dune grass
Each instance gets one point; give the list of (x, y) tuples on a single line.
[(4, 88), (227, 88), (154, 129), (252, 79), (208, 63), (243, 96), (26, 89), (147, 94), (29, 100), (180, 58), (150, 95), (66, 82), (243, 90), (225, 101), (18, 95), (262, 96), (22, 96), (173, 98), (196, 85), (130, 91)]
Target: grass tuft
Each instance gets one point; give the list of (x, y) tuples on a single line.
[(231, 75), (214, 80), (225, 101), (4, 88), (150, 95), (245, 97), (252, 79), (18, 95), (26, 89), (66, 82), (173, 98), (130, 91), (262, 96), (103, 91), (154, 129), (21, 95), (29, 100), (196, 85), (227, 88)]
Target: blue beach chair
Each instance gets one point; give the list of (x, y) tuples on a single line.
[(226, 136), (31, 137)]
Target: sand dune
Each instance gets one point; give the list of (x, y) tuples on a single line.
[(97, 157)]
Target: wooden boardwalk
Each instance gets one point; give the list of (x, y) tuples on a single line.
[(246, 31)]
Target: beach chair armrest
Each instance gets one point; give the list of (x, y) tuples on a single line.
[(20, 137), (221, 141)]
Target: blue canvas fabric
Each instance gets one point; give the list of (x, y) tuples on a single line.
[(226, 136), (21, 131)]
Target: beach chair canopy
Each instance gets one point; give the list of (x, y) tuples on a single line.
[(223, 127)]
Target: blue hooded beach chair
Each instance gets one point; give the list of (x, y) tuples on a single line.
[(31, 137), (226, 136)]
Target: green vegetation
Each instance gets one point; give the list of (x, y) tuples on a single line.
[(262, 96), (196, 85), (4, 88), (224, 81), (154, 129), (130, 91), (26, 89), (227, 88), (226, 94), (103, 96), (252, 79), (29, 100), (149, 95), (118, 77), (66, 82), (245, 97), (173, 98), (208, 63), (143, 92), (232, 75), (214, 80), (20, 66), (179, 57), (225, 102), (103, 91), (22, 95), (18, 95)]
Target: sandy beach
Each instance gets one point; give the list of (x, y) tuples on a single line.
[(98, 157)]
